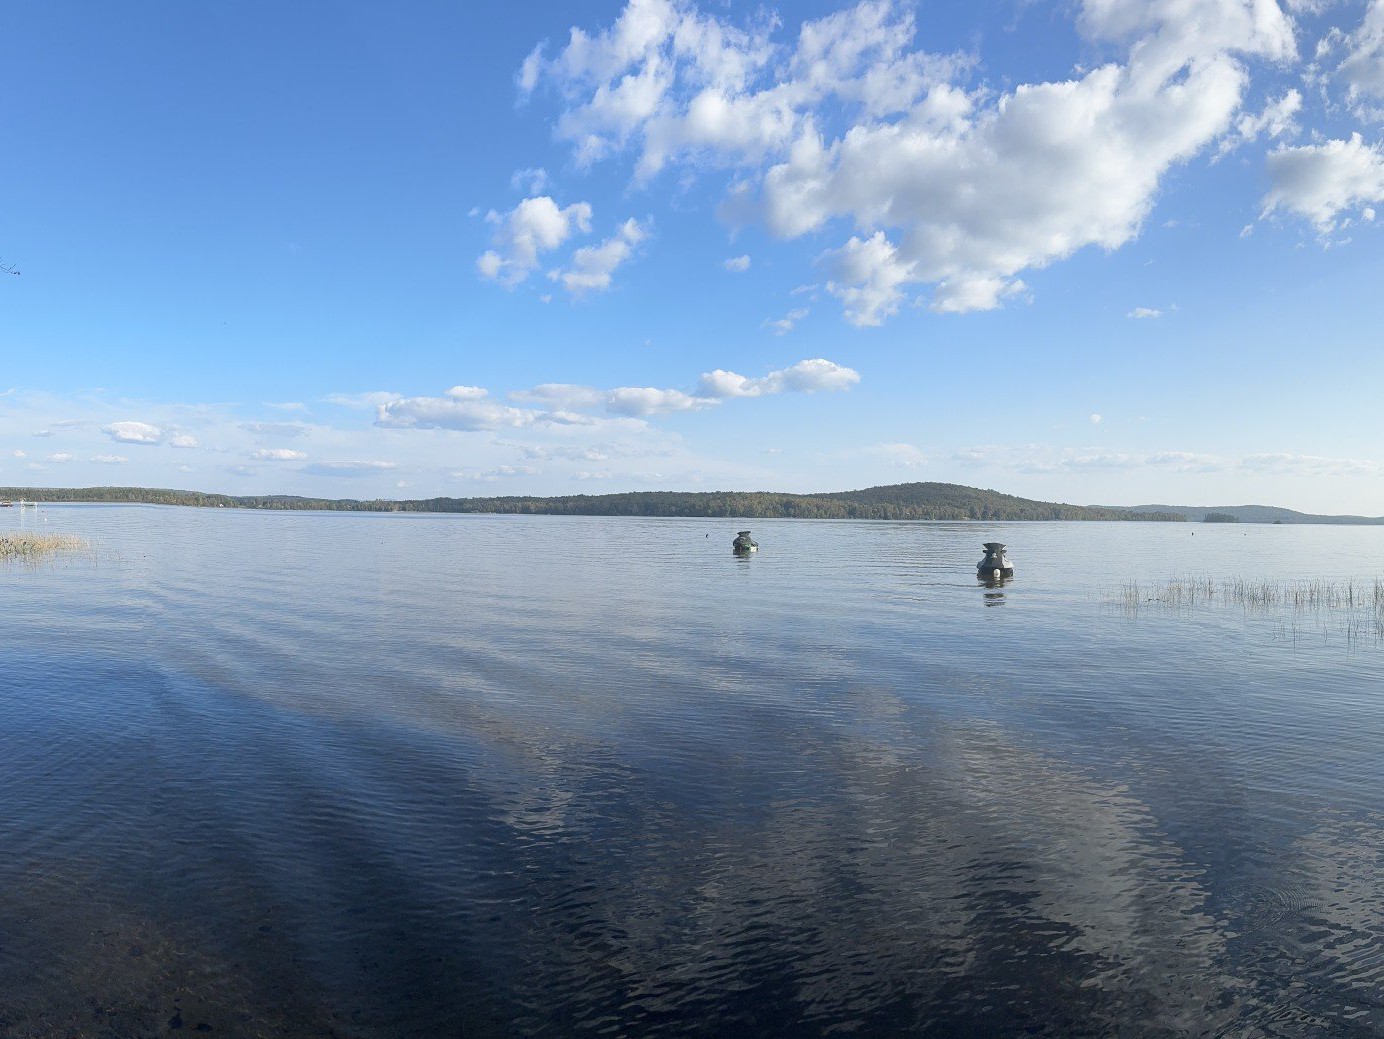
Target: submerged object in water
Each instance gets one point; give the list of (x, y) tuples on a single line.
[(995, 563), (743, 544)]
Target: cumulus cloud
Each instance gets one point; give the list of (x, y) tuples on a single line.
[(110, 459), (737, 264), (61, 456), (640, 401), (278, 454), (1322, 181), (1145, 313), (471, 408), (1363, 67), (535, 226), (592, 266), (867, 277), (463, 407), (133, 433), (143, 433), (811, 376), (961, 189)]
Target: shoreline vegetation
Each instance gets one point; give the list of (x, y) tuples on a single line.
[(22, 546), (907, 501)]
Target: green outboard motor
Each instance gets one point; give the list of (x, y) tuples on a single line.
[(995, 563), (743, 544)]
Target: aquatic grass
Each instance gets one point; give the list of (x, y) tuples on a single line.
[(1352, 608), (30, 548)]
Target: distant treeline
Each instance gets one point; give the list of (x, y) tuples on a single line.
[(907, 501)]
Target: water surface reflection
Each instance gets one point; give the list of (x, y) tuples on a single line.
[(370, 776)]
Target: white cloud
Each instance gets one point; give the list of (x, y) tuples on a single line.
[(639, 401), (61, 457), (144, 433), (470, 408), (737, 264), (868, 276), (530, 180), (959, 188), (783, 325), (1363, 67), (1095, 419), (1278, 119), (593, 265), (110, 459), (810, 376), (535, 226), (19, 454), (1322, 181), (278, 454), (1145, 313), (133, 433), (463, 408)]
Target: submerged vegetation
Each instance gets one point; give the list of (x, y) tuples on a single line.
[(25, 547), (906, 501), (1352, 609)]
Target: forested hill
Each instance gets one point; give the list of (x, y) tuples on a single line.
[(905, 501), (1258, 514)]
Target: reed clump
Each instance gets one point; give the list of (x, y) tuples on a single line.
[(25, 547), (1354, 607)]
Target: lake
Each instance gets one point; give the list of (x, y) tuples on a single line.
[(310, 774)]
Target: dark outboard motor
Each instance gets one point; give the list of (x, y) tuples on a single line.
[(995, 563), (743, 544)]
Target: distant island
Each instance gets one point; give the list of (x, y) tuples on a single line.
[(906, 501), (903, 501)]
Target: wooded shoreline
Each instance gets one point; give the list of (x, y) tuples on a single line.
[(909, 501)]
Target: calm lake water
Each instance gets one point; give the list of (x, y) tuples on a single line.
[(313, 774)]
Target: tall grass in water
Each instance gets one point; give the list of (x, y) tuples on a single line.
[(1354, 608), (23, 547)]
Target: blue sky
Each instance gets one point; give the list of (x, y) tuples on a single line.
[(1099, 251)]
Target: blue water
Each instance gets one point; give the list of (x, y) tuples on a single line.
[(311, 774)]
